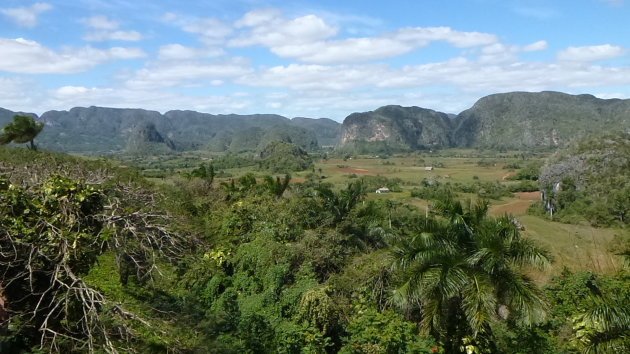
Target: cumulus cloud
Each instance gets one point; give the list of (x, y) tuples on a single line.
[(100, 36), (19, 94), (503, 53), (345, 51), (536, 46), (590, 53), (180, 52), (317, 77), (268, 28), (308, 39), (29, 57), (104, 29), (26, 16), (464, 74), (456, 38), (187, 73)]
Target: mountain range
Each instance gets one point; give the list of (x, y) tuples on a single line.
[(515, 120), (100, 130)]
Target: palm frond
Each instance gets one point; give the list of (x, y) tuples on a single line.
[(479, 303)]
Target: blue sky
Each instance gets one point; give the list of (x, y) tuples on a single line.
[(306, 58)]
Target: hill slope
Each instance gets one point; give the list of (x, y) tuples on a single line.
[(406, 128), (98, 130), (521, 120)]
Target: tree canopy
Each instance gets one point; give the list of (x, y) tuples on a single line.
[(23, 129)]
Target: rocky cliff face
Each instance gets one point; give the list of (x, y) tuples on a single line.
[(146, 134), (522, 120), (400, 127), (590, 161)]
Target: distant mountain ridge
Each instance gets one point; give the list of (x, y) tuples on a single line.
[(514, 120), (101, 130), (543, 119)]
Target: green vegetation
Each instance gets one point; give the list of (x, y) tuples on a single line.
[(218, 255), (589, 181), (537, 120), (24, 129), (280, 157), (463, 272)]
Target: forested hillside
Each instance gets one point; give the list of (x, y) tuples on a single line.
[(513, 120), (102, 131)]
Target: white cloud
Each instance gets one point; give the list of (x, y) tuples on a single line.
[(536, 46), (503, 53), (181, 52), (104, 29), (29, 57), (259, 17), (71, 96), (187, 73), (317, 77), (212, 31), (608, 95), (590, 53), (345, 51), (308, 38), (456, 38), (269, 29), (19, 94), (100, 36), (27, 16), (460, 73)]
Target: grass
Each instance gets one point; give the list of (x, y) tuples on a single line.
[(576, 247)]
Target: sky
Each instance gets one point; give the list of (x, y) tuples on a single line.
[(306, 58)]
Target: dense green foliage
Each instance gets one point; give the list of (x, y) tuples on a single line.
[(435, 190), (463, 273), (284, 157), (590, 180), (23, 129), (58, 215), (95, 259)]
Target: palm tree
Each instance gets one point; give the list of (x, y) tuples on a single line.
[(462, 271), (605, 327), (277, 186), (24, 129)]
